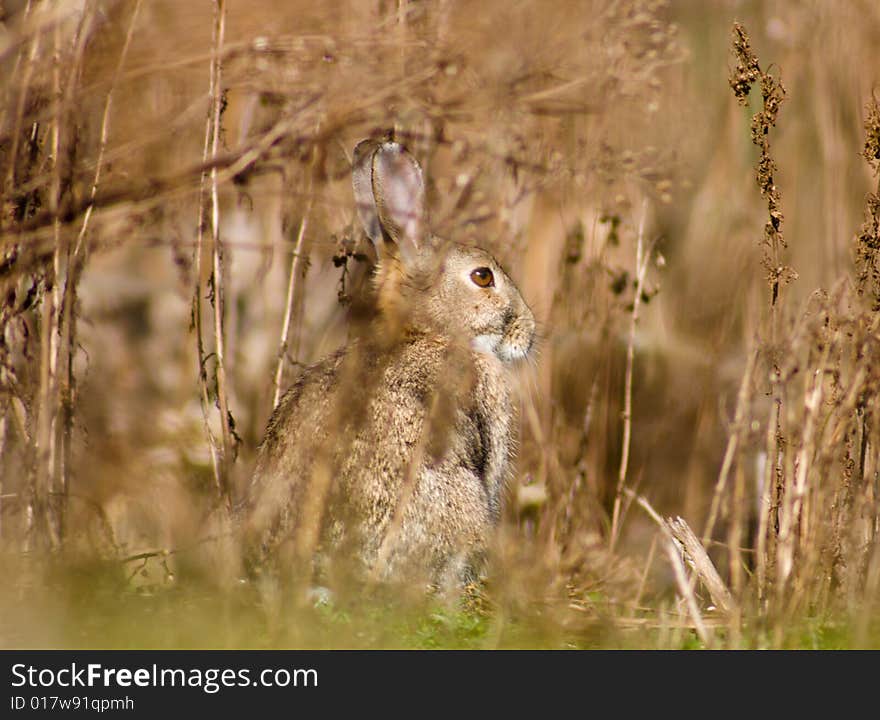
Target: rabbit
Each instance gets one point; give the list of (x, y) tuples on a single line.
[(391, 455)]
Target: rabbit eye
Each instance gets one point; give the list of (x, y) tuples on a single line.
[(483, 277)]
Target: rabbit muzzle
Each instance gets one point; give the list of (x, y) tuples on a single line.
[(516, 339)]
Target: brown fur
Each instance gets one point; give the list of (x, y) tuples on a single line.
[(393, 453)]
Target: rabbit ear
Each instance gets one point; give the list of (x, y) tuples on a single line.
[(362, 182), (399, 194)]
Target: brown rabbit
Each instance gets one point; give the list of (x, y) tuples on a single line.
[(393, 452)]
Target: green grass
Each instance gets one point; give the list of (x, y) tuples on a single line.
[(68, 604)]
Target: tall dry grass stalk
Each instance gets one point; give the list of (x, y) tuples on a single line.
[(811, 553)]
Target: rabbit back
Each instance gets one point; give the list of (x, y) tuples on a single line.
[(415, 443)]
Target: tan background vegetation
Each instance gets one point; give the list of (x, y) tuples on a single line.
[(551, 133)]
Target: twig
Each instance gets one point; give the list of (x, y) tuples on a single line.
[(682, 544), (40, 489), (686, 592), (765, 519), (54, 416), (60, 268), (101, 514), (699, 560), (44, 477), (296, 261), (743, 76), (166, 552), (216, 462), (742, 403), (144, 194), (22, 98), (794, 496), (74, 265), (2, 448), (105, 127), (642, 259), (644, 579), (219, 291)]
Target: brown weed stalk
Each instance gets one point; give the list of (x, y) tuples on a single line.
[(867, 246), (746, 73)]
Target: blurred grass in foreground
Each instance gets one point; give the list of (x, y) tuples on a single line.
[(687, 367)]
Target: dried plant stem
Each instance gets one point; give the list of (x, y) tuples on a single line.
[(296, 262), (14, 74), (74, 262), (867, 244), (219, 289), (23, 86), (687, 592), (57, 483), (872, 586), (766, 520), (56, 480), (43, 526), (105, 129), (642, 260), (67, 273), (737, 529), (216, 460), (697, 556), (144, 197), (643, 580), (742, 403), (795, 494), (45, 480), (3, 429), (743, 76)]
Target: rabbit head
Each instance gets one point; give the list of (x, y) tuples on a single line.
[(426, 283)]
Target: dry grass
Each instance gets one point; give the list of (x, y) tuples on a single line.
[(178, 238)]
